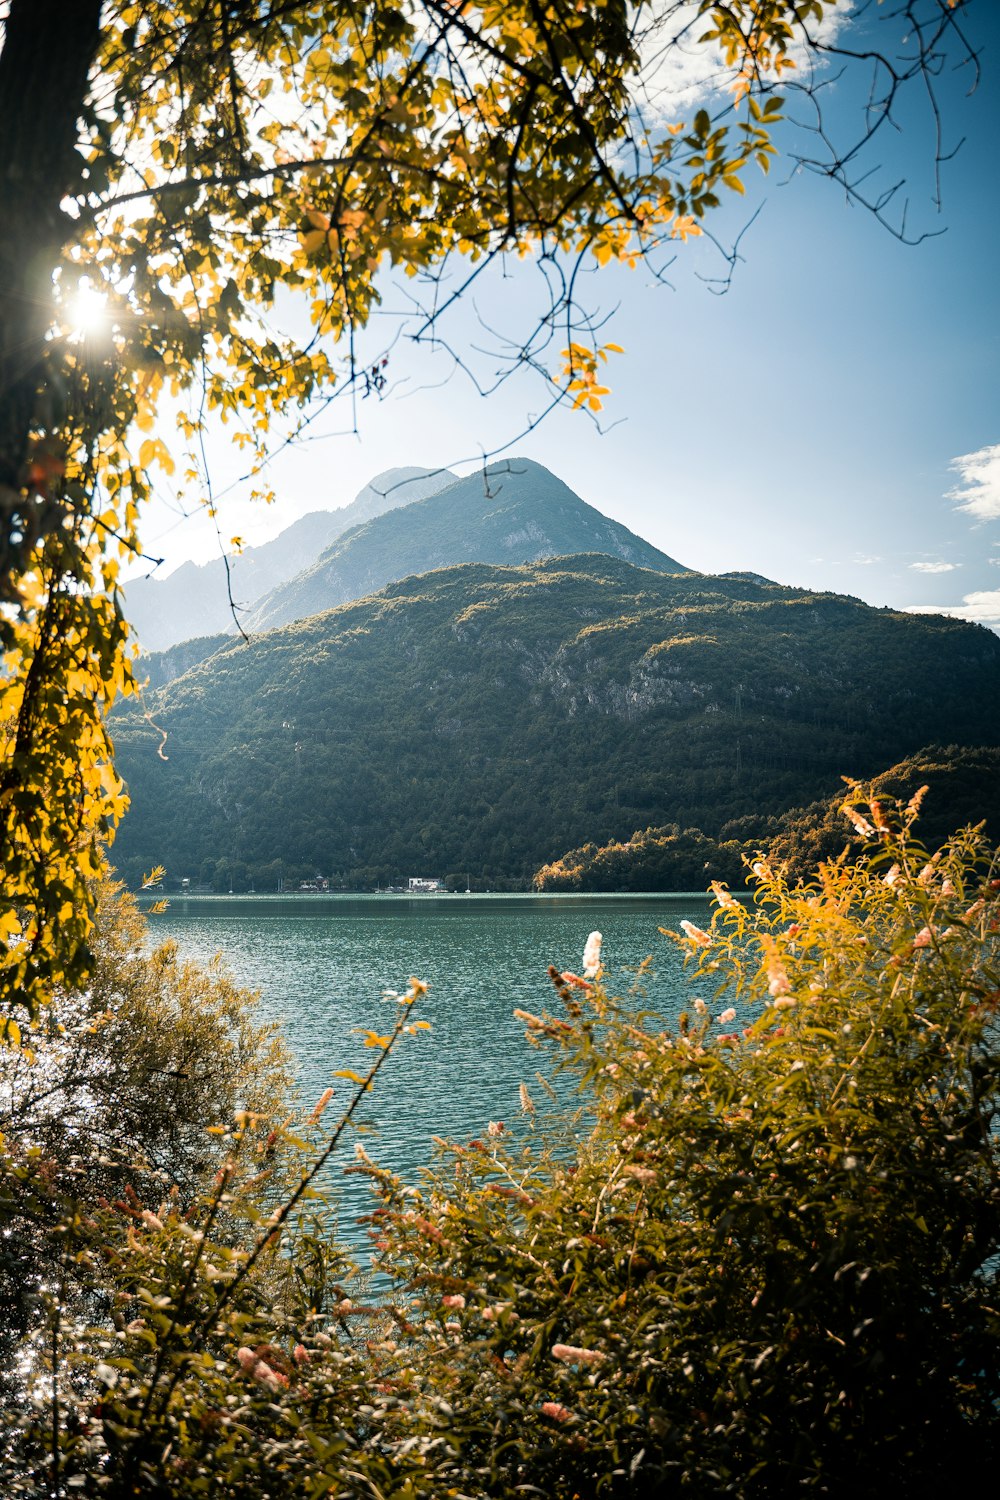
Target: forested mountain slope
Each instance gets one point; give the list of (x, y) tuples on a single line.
[(485, 719), (514, 512), (961, 789), (194, 600)]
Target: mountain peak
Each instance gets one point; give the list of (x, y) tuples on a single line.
[(513, 511), (194, 601)]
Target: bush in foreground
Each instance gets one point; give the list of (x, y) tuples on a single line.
[(772, 1267), (769, 1267)]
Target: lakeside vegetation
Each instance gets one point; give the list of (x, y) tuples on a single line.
[(767, 1261), (963, 789)]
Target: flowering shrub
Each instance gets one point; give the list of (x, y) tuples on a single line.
[(769, 1267), (773, 1266)]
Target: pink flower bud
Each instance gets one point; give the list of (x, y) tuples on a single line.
[(569, 1354), (861, 824), (258, 1369), (557, 1413), (320, 1105)]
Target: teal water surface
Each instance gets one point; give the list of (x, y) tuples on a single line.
[(322, 964)]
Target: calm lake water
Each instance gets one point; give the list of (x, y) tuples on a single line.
[(321, 965)]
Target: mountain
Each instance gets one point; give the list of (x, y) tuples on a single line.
[(514, 512), (483, 719), (193, 601), (160, 667)]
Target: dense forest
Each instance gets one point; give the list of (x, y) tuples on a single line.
[(482, 720), (962, 790)]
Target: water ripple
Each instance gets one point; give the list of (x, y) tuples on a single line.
[(321, 966)]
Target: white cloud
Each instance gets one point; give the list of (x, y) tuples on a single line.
[(979, 492), (679, 73), (982, 607), (941, 567)]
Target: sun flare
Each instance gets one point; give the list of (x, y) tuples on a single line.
[(86, 311)]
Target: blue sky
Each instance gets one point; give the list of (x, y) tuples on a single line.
[(808, 425)]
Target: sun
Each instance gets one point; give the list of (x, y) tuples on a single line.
[(86, 312)]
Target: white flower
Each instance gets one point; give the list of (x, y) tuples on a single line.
[(592, 955), (861, 824), (700, 1007), (695, 934), (726, 1017)]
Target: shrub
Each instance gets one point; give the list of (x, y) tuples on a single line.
[(769, 1266), (772, 1266), (103, 1116)]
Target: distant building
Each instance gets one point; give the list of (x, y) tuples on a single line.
[(425, 883)]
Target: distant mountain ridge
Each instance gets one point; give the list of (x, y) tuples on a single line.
[(485, 719), (516, 511), (193, 601)]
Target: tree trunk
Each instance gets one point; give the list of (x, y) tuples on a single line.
[(48, 49)]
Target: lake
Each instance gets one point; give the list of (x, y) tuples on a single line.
[(322, 963)]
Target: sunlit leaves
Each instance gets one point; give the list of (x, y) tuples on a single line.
[(581, 374), (776, 1253)]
